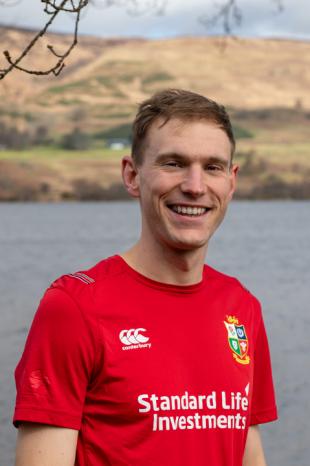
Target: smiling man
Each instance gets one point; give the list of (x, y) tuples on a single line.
[(152, 357)]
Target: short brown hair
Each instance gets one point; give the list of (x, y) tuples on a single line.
[(176, 103)]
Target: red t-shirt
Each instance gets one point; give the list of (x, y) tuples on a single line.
[(149, 373)]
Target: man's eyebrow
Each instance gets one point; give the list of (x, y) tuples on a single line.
[(183, 157), (218, 159), (170, 155)]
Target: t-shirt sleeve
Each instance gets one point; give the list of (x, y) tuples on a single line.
[(57, 364), (263, 407)]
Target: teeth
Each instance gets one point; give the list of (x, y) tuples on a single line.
[(189, 210)]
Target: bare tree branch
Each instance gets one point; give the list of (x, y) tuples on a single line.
[(133, 7), (75, 7), (229, 14), (279, 5), (52, 8)]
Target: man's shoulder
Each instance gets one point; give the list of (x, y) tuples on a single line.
[(224, 280), (83, 281)]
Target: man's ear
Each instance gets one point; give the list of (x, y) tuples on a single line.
[(233, 176), (130, 176)]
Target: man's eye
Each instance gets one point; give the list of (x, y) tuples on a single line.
[(172, 163), (214, 168)]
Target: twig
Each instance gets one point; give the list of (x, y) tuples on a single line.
[(228, 13), (279, 5), (52, 8), (133, 7)]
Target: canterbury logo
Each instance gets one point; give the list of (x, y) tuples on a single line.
[(133, 336)]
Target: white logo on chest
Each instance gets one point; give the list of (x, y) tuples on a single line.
[(133, 338)]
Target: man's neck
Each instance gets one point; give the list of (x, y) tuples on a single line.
[(177, 267)]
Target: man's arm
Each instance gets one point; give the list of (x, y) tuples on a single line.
[(43, 445), (254, 453)]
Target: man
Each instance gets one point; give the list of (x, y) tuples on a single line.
[(152, 357)]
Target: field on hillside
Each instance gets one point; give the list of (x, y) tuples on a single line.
[(263, 82), (273, 152), (268, 170)]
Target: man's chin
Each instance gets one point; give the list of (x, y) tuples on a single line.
[(188, 244)]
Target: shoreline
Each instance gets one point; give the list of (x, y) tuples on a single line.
[(116, 192), (100, 180)]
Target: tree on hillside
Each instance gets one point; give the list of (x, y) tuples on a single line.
[(228, 14)]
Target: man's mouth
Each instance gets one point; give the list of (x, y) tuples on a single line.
[(191, 211)]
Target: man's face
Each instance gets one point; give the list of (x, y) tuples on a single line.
[(184, 183)]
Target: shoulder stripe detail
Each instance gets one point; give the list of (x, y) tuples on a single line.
[(81, 274), (82, 277)]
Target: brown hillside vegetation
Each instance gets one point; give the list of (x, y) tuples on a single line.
[(264, 83), (108, 77)]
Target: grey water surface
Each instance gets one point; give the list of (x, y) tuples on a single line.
[(265, 244)]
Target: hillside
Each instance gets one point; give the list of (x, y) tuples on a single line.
[(264, 83), (104, 79)]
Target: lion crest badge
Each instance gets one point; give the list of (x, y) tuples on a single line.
[(237, 339)]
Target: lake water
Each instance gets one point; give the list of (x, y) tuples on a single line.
[(265, 244)]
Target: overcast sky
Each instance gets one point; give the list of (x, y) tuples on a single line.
[(181, 17)]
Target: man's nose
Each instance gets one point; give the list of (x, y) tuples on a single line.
[(194, 182)]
